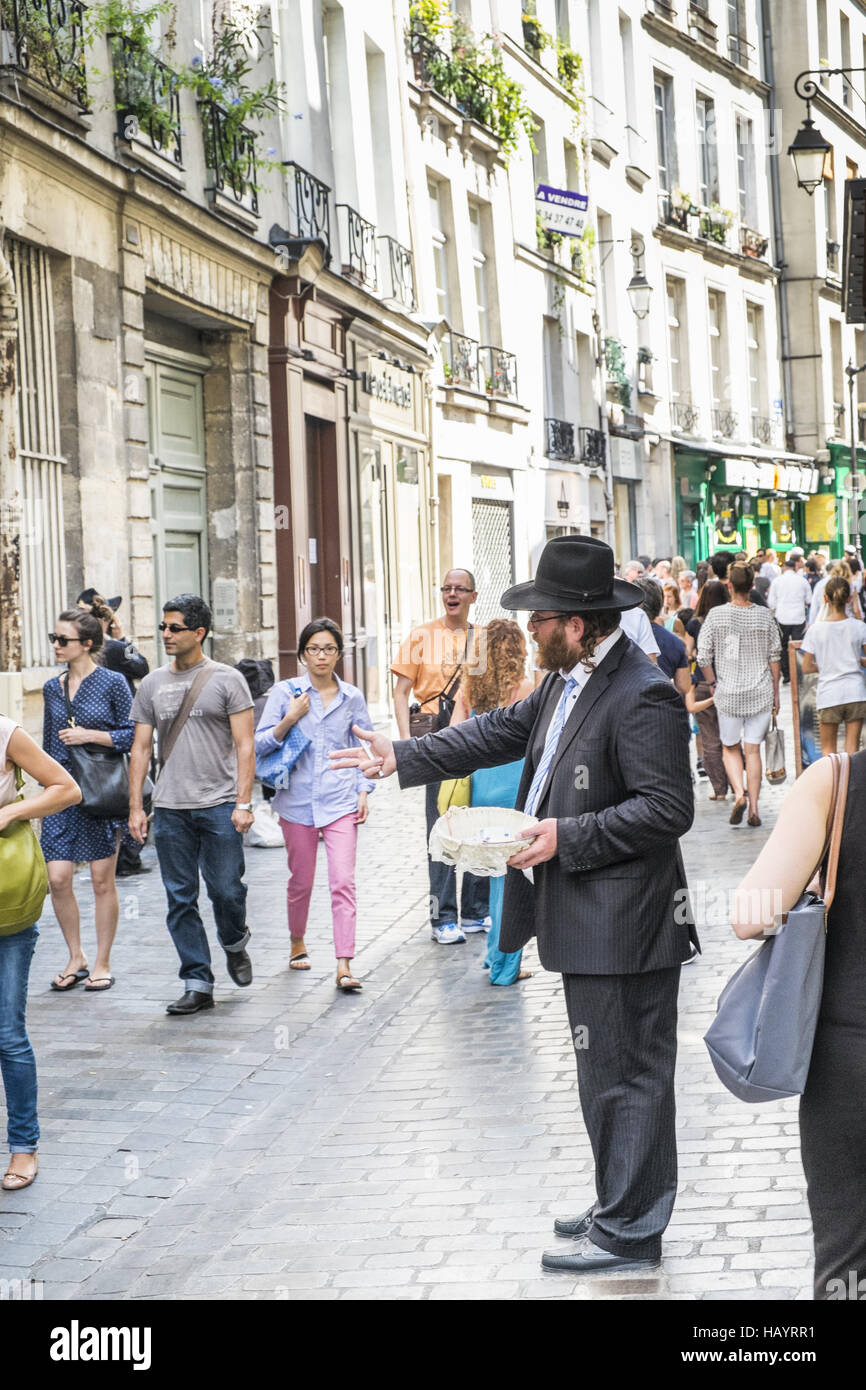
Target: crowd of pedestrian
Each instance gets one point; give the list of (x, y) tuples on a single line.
[(625, 669)]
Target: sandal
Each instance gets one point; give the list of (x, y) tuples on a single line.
[(15, 1182), (754, 819), (347, 984), (737, 813), (300, 962), (99, 984), (75, 978)]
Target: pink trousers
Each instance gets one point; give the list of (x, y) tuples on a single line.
[(301, 845)]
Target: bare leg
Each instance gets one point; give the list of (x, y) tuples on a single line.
[(852, 735), (65, 904), (753, 775), (733, 760), (107, 910), (828, 739)]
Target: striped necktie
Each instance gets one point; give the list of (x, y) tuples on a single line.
[(550, 743)]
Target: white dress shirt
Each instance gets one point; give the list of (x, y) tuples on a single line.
[(636, 625), (790, 598)]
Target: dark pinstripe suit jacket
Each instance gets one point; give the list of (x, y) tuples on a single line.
[(612, 900)]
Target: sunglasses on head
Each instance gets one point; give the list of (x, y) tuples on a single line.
[(174, 627), (58, 641)]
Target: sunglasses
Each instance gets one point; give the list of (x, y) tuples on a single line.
[(59, 641), (173, 627)]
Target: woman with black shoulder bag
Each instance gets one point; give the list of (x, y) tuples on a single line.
[(87, 729), (23, 885)]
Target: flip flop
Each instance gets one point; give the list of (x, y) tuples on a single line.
[(296, 962), (96, 988), (347, 984), (76, 977)]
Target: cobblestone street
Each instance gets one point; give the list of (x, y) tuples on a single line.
[(414, 1141)]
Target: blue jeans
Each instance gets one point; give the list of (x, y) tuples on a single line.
[(17, 1063), (205, 839)]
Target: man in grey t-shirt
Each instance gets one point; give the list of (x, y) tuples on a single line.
[(202, 802)]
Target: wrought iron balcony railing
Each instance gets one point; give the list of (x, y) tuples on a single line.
[(230, 156), (147, 97), (724, 422), (460, 361), (499, 370), (768, 431), (752, 243), (44, 40), (714, 225), (397, 280), (673, 212), (593, 446), (741, 52), (559, 440), (309, 207), (455, 81), (357, 246), (685, 417), (702, 26)]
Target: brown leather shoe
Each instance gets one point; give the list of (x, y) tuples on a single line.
[(738, 811)]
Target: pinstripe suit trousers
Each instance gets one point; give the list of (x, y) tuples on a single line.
[(624, 1030)]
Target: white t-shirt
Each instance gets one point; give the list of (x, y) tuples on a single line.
[(8, 790), (636, 625), (837, 649)]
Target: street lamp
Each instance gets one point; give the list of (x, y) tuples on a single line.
[(639, 290), (809, 151)]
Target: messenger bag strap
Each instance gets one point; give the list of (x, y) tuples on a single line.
[(455, 679), (840, 796), (169, 739)]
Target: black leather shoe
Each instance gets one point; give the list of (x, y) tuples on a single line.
[(584, 1257), (240, 967), (577, 1226), (191, 1002)]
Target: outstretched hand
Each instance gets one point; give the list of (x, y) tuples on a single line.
[(543, 847), (377, 761)]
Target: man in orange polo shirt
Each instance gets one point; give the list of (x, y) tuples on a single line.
[(426, 666)]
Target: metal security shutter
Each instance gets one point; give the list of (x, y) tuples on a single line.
[(43, 551), (493, 557)]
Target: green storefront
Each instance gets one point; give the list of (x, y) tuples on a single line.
[(736, 503)]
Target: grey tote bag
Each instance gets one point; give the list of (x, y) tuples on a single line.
[(760, 1041)]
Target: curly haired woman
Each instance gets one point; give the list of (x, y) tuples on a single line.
[(501, 680)]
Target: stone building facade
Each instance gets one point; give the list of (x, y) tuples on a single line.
[(142, 280)]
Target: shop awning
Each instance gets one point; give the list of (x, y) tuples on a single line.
[(733, 451)]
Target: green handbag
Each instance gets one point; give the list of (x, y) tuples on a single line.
[(23, 875)]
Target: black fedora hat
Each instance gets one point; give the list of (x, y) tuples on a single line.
[(574, 575)]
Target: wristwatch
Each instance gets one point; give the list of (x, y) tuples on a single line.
[(244, 806)]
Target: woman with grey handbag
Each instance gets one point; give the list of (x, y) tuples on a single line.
[(833, 1104), (18, 754), (85, 705)]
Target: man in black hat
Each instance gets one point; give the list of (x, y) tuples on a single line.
[(606, 743)]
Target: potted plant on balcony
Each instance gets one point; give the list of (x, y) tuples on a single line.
[(715, 223), (535, 39), (681, 207), (752, 243)]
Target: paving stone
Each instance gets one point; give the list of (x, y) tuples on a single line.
[(381, 1154)]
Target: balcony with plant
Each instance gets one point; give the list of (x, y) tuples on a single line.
[(460, 361), (147, 99), (44, 42), (499, 369), (715, 223), (618, 382), (469, 74)]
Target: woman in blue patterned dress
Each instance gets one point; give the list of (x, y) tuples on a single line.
[(101, 702), (501, 681)]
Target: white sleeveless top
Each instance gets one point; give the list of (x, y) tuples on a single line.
[(8, 790)]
